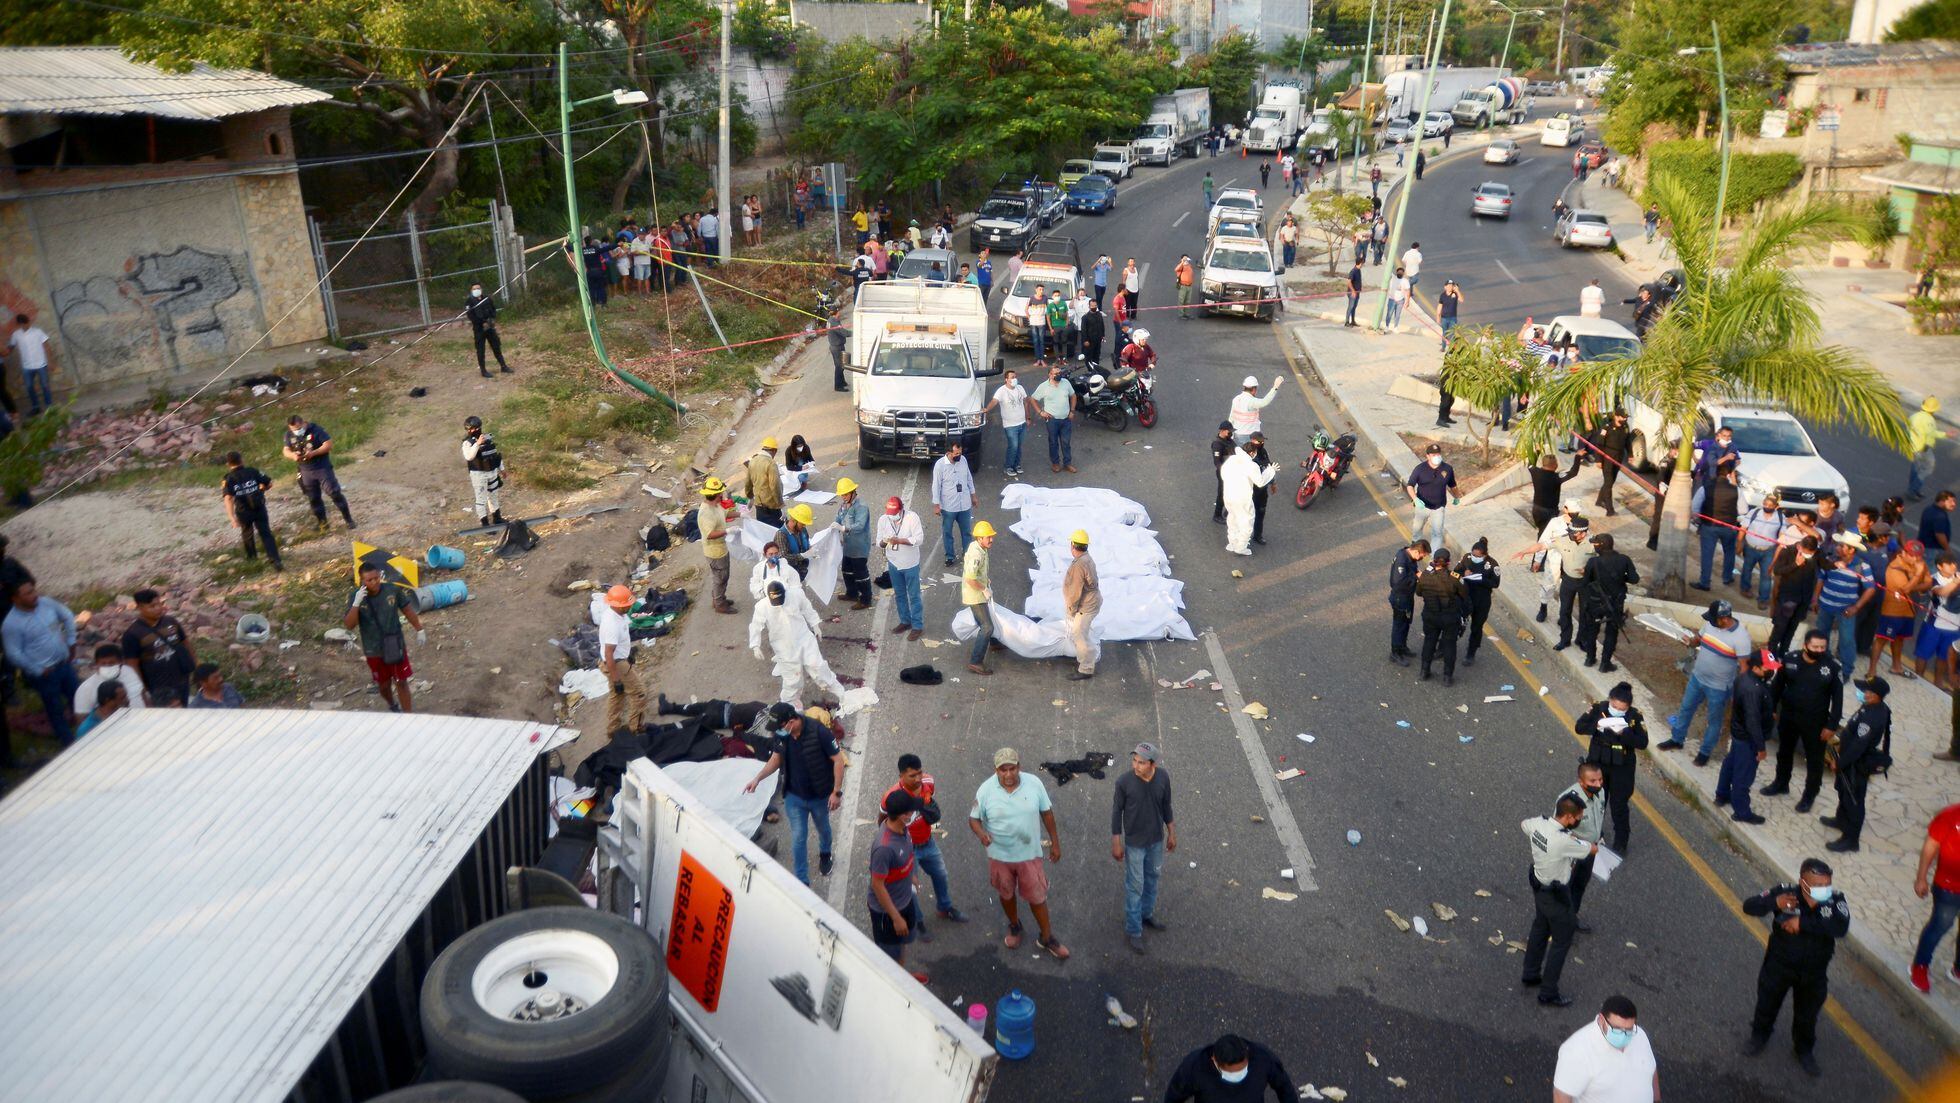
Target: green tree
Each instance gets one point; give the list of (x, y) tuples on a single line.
[(1655, 85), (1935, 237), (689, 30), (1933, 19), (1747, 329), (409, 66), (1229, 70), (1484, 367), (1335, 216)]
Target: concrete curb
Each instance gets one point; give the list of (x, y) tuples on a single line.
[(724, 430), (1889, 964)]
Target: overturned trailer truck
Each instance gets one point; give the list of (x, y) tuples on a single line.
[(327, 907)]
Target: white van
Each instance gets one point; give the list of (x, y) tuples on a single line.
[(1563, 129)]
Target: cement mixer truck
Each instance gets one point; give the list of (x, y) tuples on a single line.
[(1500, 102)]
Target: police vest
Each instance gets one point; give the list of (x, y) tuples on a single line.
[(487, 456)]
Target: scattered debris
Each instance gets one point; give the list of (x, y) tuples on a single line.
[(1401, 924), (1485, 893), (1335, 1094), (1238, 574), (339, 635), (1401, 723), (1257, 818), (1118, 1016), (1421, 925), (1514, 944), (1496, 697), (1465, 738), (1091, 764), (1353, 837), (1463, 708), (1289, 773), (1271, 893), (1304, 737), (1443, 911), (1506, 687), (1287, 873), (1256, 710), (1398, 1081), (1372, 1063), (1543, 690)]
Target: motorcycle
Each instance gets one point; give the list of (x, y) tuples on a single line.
[(1108, 399), (1137, 399), (1325, 466)]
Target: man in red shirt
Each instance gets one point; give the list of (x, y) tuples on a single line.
[(1939, 858), (913, 779)]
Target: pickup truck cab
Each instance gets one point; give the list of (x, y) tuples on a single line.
[(1233, 199), (919, 353), (1240, 277), (1051, 263), (1116, 160), (1237, 223)]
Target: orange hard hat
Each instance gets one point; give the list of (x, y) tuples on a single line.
[(620, 597)]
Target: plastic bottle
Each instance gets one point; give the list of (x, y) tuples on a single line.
[(976, 1017), (1014, 1026)]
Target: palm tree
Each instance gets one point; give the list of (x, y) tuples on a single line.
[(1747, 330)]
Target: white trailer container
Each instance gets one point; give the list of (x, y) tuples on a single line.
[(1175, 124), (919, 357), (1276, 122), (1446, 86)]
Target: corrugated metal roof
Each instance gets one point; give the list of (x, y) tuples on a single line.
[(1918, 176), (1835, 55), (99, 80), (193, 900)]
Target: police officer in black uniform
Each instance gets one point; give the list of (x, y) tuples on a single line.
[(1480, 577), (1403, 573), (1808, 693), (244, 492), (1807, 919), (1615, 730), (1864, 749), (482, 310), (1603, 600), (1260, 494), (1445, 602), (1221, 450), (311, 448), (1554, 852)]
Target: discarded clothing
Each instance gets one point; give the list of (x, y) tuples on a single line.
[(925, 674), (1092, 764)]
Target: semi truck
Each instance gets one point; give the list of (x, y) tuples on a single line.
[(1497, 103), (1404, 90), (449, 917), (1175, 124), (919, 356), (1277, 121)]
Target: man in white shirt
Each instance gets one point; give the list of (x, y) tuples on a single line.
[(1072, 340), (1132, 286), (1398, 294), (1037, 312), (1591, 298), (711, 238), (900, 533), (1608, 1060), (1247, 404), (30, 345), (952, 500), (626, 705), (109, 667), (1012, 399), (1412, 264)]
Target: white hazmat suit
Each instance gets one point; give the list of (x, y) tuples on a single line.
[(793, 629), (1241, 474)]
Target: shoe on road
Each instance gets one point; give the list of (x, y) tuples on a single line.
[(823, 864), (1808, 1063), (1607, 667), (1751, 818), (1804, 804), (1701, 760), (1151, 922), (1945, 756), (1136, 943), (1773, 790), (953, 915), (978, 669), (1842, 846), (1555, 1000), (1078, 676), (1755, 1044), (914, 634), (1920, 979)]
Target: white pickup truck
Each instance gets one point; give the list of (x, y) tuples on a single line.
[(1116, 160), (918, 357)]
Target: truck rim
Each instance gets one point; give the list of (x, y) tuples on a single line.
[(544, 976)]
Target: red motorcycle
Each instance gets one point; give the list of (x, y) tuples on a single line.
[(1325, 467)]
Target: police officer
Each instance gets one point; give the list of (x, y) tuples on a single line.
[(1444, 604), (482, 311), (1615, 730), (1554, 851), (244, 493), (1479, 574), (1261, 493), (1864, 749), (1807, 919), (1603, 600), (311, 448), (1589, 790), (1575, 550), (1403, 574), (1221, 450), (1808, 692), (486, 467), (1750, 715)]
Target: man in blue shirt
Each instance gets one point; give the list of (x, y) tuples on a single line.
[(311, 448), (111, 698), (39, 634), (1843, 591), (983, 274), (1936, 525), (1714, 455), (1432, 488)]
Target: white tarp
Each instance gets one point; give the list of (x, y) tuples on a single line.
[(746, 541), (1146, 612), (1053, 559), (1022, 636), (1090, 499), (718, 785)]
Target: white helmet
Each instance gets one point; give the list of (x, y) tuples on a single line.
[(1095, 384), (1140, 336), (1251, 383)]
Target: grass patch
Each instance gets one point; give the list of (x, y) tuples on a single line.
[(92, 600)]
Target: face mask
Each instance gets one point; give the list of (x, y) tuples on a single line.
[(1234, 1077), (108, 670), (1812, 656), (476, 292), (1611, 711), (1821, 893), (775, 560), (1435, 461), (1592, 790), (1617, 1038)]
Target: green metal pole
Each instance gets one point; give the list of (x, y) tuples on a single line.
[(1722, 88), (575, 239), (1506, 58), (1408, 182), (1367, 117)]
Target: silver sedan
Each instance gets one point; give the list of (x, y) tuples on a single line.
[(1491, 200)]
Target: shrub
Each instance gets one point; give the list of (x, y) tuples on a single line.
[(1753, 177)]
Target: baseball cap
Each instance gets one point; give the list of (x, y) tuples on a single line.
[(781, 712), (1145, 751), (1006, 756), (1874, 685), (1769, 660), (1578, 524), (893, 506), (1434, 450), (1718, 609)]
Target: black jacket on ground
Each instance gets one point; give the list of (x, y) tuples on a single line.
[(1750, 711), (1809, 692), (1612, 748), (1818, 928), (1608, 574), (1197, 1079)]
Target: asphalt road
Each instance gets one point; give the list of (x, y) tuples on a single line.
[(1324, 978), (1510, 269)]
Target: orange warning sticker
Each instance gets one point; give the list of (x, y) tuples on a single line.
[(697, 937)]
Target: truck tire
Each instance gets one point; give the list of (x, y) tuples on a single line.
[(1637, 458), (866, 461), (610, 987), (450, 1091)]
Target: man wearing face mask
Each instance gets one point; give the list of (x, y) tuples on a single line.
[(1432, 488), (1806, 920), (1750, 714), (1230, 1070), (109, 667), (1615, 730), (482, 311), (774, 567), (1607, 1060), (1589, 790), (1808, 694), (486, 466), (1555, 850), (1403, 574), (793, 629), (1480, 578), (1864, 749), (1795, 573), (1444, 604)]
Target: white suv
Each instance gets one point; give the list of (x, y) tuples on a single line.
[(1239, 199), (1777, 454)]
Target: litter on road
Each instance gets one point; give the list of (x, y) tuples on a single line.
[(1289, 773), (1271, 893), (1496, 697), (1401, 924)]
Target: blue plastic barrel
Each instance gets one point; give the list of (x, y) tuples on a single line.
[(1014, 1026), (440, 594), (445, 558)]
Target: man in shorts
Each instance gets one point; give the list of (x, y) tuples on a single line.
[(378, 611), (1010, 811), (893, 899)]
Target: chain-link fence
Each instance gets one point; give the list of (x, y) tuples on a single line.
[(416, 276)]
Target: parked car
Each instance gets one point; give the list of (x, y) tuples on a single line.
[(1595, 154), (1437, 123), (1503, 151), (1777, 453), (1116, 160), (1094, 193), (1050, 202), (1399, 131), (1541, 88), (1075, 168), (918, 263), (1596, 338), (1583, 228), (1491, 200)]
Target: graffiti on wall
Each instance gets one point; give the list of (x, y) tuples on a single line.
[(167, 309)]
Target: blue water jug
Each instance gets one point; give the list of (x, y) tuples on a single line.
[(441, 595), (1014, 1026), (445, 558)]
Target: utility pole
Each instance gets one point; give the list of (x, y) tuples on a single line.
[(1558, 55), (1367, 115), (727, 239), (1408, 182)]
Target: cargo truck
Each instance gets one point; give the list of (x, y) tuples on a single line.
[(1174, 126), (1500, 102), (918, 360), (1276, 122), (1404, 90)]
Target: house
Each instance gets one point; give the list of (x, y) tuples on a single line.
[(1856, 100), (1931, 167), (150, 221)]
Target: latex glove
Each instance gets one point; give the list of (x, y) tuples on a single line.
[(757, 652), (1277, 380), (421, 637), (360, 597)]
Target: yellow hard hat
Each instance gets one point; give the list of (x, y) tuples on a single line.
[(801, 514), (1079, 536), (620, 597), (769, 443), (1931, 405), (846, 486), (982, 529), (713, 487)]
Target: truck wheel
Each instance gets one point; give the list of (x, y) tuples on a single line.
[(866, 461), (546, 1002), (1637, 453), (450, 1091)]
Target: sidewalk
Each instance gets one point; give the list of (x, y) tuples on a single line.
[(1366, 372)]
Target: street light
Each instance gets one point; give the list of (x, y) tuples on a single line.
[(1722, 90), (1515, 12)]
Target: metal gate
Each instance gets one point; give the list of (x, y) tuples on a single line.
[(414, 277)]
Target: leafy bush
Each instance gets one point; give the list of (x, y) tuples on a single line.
[(1753, 177)]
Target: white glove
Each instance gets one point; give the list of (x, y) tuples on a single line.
[(360, 596), (1277, 380), (757, 652), (421, 637)]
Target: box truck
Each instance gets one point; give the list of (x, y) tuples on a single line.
[(1175, 124), (919, 359)]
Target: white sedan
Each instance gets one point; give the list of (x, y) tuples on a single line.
[(1583, 228), (1503, 151)]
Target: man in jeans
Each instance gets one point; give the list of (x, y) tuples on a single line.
[(1843, 591), (977, 594), (1762, 529), (39, 634), (1054, 400), (1141, 829), (952, 500), (30, 345), (1432, 487), (901, 535), (913, 780), (1038, 322), (813, 779), (1715, 513), (1718, 648), (1186, 276), (1938, 876)]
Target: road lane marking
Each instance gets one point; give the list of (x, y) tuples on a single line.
[(1180, 220), (844, 833), (1502, 267), (1277, 810), (1858, 1036)]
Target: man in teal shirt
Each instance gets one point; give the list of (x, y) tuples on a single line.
[(1010, 811)]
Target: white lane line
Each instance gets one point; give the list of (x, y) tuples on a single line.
[(1506, 270), (844, 831), (1277, 810), (1180, 220)]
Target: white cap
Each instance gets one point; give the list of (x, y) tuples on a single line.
[(1250, 381), (1572, 505)]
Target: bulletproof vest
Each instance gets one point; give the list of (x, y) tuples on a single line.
[(488, 458)]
